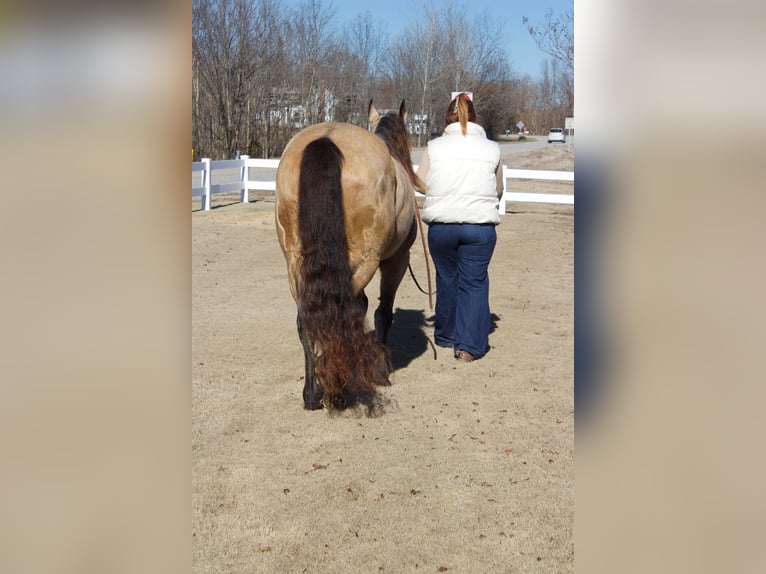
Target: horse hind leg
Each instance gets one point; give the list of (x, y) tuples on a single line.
[(312, 392), (361, 300), (392, 271)]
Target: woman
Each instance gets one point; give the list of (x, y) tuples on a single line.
[(464, 183)]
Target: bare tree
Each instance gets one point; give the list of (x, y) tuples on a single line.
[(458, 50), (489, 70), (555, 37), (261, 72), (465, 55), (310, 31), (412, 67), (218, 52), (364, 38), (233, 47), (267, 59), (357, 58)]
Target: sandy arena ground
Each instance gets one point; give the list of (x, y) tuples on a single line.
[(468, 470)]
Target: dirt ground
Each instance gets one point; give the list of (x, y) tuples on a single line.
[(469, 468)]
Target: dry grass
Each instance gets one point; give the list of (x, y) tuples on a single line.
[(554, 157), (469, 469)]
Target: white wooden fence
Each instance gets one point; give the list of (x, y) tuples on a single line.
[(206, 189), (509, 173)]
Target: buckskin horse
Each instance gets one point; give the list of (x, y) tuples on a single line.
[(345, 208)]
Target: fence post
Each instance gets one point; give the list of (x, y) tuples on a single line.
[(501, 206), (244, 178), (206, 184)]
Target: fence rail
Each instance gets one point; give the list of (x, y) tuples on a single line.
[(206, 189)]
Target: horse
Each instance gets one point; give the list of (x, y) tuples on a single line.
[(345, 208)]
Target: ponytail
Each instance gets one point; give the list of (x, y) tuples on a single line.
[(462, 113), (461, 110)]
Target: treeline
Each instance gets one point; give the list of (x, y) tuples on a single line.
[(263, 70)]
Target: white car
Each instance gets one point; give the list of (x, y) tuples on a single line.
[(556, 135)]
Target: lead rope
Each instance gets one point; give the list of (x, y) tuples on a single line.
[(425, 256)]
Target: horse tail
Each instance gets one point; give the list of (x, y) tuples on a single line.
[(349, 362)]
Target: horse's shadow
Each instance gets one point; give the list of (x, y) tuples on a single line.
[(408, 340)]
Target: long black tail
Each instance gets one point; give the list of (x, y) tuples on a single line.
[(324, 246), (348, 359)]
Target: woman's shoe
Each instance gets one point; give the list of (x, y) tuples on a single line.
[(464, 357)]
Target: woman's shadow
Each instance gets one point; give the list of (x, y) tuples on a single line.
[(410, 336)]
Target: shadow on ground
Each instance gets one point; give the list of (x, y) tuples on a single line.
[(407, 338)]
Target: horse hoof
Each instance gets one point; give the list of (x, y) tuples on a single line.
[(313, 406)]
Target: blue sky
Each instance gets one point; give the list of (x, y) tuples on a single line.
[(525, 56)]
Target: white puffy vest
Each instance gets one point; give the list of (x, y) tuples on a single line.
[(460, 183)]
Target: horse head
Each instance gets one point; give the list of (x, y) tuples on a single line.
[(373, 116), (392, 129)]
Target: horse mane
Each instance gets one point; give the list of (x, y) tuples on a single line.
[(392, 130)]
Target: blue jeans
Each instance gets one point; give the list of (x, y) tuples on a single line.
[(461, 253)]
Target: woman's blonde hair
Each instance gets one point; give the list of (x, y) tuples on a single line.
[(461, 110)]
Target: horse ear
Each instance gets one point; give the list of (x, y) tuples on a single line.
[(372, 116), (403, 112)]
